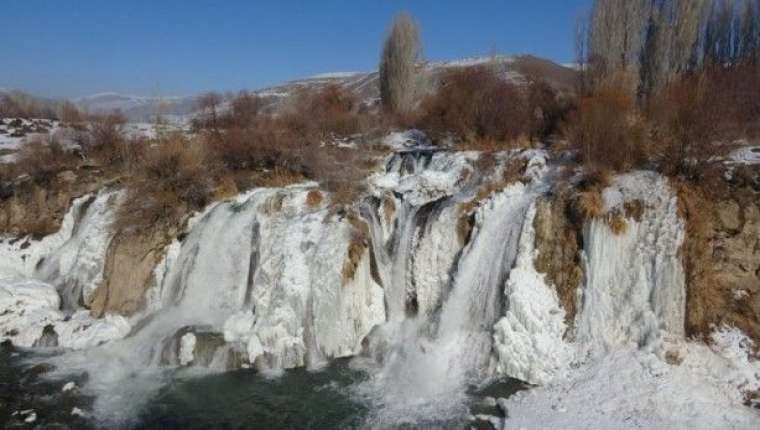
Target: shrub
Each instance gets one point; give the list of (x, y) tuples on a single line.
[(105, 142), (330, 112), (476, 104), (607, 129), (314, 198), (43, 158), (167, 180), (696, 111), (244, 109)]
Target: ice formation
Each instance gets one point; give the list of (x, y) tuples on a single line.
[(259, 281)]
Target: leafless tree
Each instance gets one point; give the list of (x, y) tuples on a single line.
[(401, 51), (209, 106)]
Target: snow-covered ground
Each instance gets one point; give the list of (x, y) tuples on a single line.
[(635, 389)]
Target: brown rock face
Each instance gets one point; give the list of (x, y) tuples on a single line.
[(722, 250), (128, 273), (27, 208), (558, 244)]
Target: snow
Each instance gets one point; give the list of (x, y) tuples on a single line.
[(745, 155), (633, 389), (238, 326), (335, 75), (187, 349), (472, 61), (28, 306), (407, 139), (19, 257), (69, 386), (529, 339)]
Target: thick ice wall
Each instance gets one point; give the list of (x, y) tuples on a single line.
[(635, 286)]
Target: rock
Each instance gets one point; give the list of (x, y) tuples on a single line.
[(128, 273), (485, 422), (67, 176), (501, 406), (728, 215), (49, 338)]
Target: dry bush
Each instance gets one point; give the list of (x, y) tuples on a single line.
[(314, 198), (545, 108), (106, 143), (476, 104), (616, 222), (683, 131), (208, 119), (329, 112), (168, 180), (357, 245), (244, 110), (278, 178), (607, 129), (43, 158), (589, 204), (68, 113), (695, 112)]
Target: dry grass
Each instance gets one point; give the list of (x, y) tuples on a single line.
[(357, 246), (278, 178), (616, 222), (314, 198), (167, 181), (589, 204), (42, 159)]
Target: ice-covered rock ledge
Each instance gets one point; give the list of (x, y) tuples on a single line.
[(30, 316)]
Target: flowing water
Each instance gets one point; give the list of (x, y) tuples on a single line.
[(253, 323)]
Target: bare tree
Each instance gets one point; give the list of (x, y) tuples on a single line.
[(581, 52), (209, 105), (401, 51)]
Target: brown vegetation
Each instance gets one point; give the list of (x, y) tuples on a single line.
[(476, 104), (167, 180), (607, 129), (558, 244), (42, 159)]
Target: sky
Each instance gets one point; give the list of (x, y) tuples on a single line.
[(72, 48)]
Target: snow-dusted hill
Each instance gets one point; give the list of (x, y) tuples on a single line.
[(364, 85)]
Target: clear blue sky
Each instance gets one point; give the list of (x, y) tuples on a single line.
[(72, 48)]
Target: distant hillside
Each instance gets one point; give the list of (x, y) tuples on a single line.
[(363, 84), (14, 103), (139, 108)]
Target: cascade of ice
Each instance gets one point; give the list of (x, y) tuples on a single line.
[(76, 266), (256, 280), (418, 232), (59, 272), (427, 363), (634, 289)]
